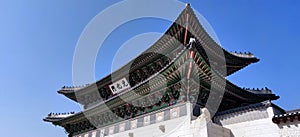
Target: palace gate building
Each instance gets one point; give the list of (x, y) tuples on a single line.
[(177, 88)]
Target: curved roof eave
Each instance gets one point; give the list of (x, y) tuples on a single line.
[(171, 32)]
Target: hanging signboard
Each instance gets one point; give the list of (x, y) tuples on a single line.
[(119, 86)]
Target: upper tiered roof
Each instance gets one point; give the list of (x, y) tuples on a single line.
[(176, 35)]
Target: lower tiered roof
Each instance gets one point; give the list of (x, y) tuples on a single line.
[(289, 116)]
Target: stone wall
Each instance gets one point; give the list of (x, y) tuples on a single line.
[(289, 129), (250, 121)]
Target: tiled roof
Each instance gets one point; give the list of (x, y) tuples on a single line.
[(289, 116)]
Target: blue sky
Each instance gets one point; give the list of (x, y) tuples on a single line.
[(38, 40)]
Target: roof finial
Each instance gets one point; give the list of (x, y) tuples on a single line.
[(187, 4)]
